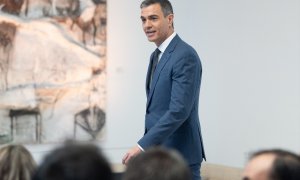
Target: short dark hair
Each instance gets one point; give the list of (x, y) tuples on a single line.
[(165, 5), (74, 162), (286, 164), (157, 163)]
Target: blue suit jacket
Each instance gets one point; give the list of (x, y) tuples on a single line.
[(172, 102)]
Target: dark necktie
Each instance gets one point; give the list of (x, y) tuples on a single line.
[(154, 63)]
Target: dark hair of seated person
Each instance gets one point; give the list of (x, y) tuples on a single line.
[(157, 163), (74, 161)]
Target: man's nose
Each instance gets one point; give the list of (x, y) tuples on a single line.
[(147, 24)]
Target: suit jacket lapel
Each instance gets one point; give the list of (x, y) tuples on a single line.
[(162, 62)]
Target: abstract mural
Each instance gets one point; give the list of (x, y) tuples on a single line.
[(52, 70)]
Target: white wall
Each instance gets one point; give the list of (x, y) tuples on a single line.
[(250, 94), (251, 83)]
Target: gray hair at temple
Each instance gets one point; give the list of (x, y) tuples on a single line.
[(165, 5)]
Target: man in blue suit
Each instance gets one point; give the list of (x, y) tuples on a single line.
[(172, 88)]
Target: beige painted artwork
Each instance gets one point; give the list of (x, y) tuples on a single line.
[(52, 70)]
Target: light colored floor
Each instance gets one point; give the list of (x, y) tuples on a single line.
[(208, 171), (219, 172)]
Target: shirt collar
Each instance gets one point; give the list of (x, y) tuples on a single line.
[(165, 44)]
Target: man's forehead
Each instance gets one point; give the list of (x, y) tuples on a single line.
[(259, 167), (263, 161)]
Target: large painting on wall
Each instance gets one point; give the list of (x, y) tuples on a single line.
[(52, 70)]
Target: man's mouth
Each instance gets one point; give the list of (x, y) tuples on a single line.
[(150, 33)]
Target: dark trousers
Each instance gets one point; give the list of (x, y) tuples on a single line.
[(195, 170)]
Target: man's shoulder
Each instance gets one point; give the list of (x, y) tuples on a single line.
[(184, 48), (181, 44)]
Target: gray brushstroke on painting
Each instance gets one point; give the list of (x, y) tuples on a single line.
[(52, 70), (7, 34)]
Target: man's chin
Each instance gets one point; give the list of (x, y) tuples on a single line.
[(151, 39)]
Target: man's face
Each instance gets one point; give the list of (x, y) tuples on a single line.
[(259, 167), (156, 27)]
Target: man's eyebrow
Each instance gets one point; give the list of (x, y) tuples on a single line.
[(246, 178), (151, 16)]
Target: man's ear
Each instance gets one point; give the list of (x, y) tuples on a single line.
[(170, 19)]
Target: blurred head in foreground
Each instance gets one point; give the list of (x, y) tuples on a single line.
[(16, 163), (157, 163), (273, 165), (74, 162)]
